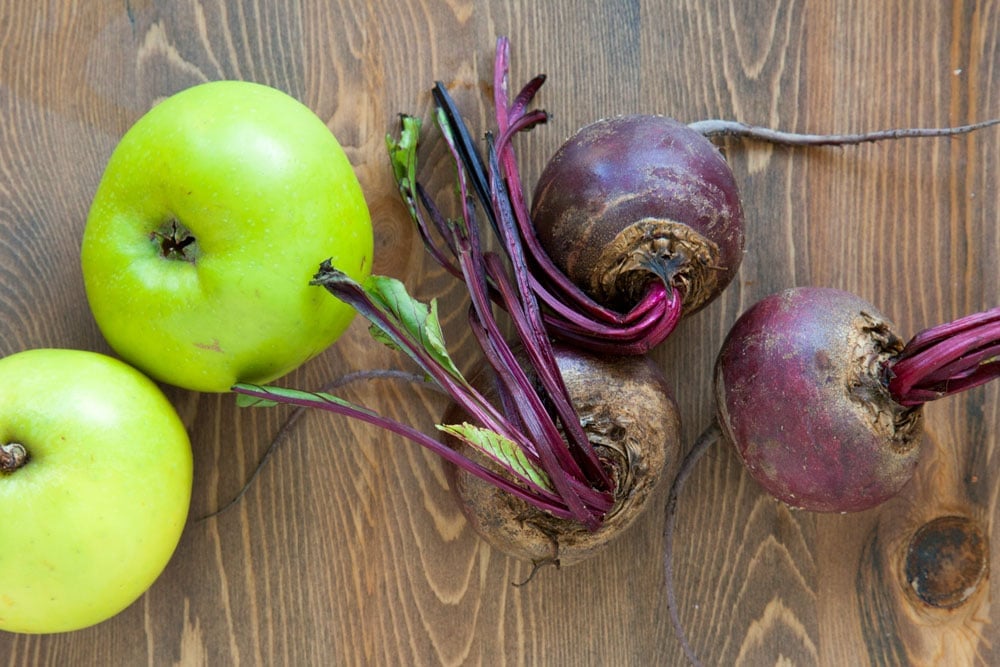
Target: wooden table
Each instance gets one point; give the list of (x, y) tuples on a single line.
[(348, 548)]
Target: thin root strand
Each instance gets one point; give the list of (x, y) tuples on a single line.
[(732, 128), (707, 438), (535, 567)]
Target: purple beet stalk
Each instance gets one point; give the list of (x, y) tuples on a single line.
[(946, 359)]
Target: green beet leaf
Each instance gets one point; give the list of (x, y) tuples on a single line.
[(499, 448)]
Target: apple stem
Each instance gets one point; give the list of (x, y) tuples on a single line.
[(13, 455)]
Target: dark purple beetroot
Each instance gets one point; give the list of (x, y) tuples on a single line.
[(632, 199), (802, 392)]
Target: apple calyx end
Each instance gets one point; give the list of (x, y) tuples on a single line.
[(13, 455), (175, 241)]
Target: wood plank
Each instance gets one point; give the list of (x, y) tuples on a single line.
[(348, 548)]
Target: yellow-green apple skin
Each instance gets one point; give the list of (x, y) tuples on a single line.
[(95, 512), (267, 193)]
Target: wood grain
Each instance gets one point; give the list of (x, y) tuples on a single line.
[(348, 548)]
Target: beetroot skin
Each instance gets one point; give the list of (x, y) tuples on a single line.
[(630, 191), (801, 391)]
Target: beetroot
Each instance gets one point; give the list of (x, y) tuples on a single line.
[(630, 199), (629, 414), (801, 391), (823, 400), (642, 214)]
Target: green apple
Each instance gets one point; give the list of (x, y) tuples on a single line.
[(95, 484), (214, 212)]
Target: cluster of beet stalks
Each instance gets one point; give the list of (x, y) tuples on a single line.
[(534, 434), (946, 359)]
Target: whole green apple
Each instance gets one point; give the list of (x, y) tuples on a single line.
[(214, 212), (95, 484)]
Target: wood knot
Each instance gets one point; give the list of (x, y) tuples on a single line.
[(946, 561)]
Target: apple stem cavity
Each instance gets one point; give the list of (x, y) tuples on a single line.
[(13, 455), (176, 241)]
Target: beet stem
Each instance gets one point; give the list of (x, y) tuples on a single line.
[(470, 156), (652, 314), (638, 318), (296, 414), (707, 438), (946, 359), (522, 302), (556, 460), (636, 339), (535, 432), (428, 239), (540, 428), (732, 128), (527, 416), (533, 334), (563, 466), (534, 495)]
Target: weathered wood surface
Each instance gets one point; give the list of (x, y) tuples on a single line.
[(348, 548)]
